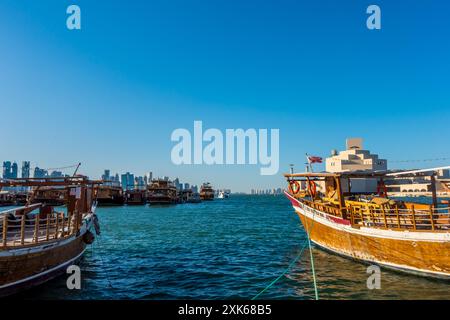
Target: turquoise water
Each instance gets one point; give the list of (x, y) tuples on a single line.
[(224, 249)]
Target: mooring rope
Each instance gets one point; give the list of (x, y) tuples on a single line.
[(284, 272), (316, 292), (305, 243)]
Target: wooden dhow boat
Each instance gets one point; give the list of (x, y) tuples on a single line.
[(135, 197), (39, 243), (110, 193), (370, 226), (206, 192), (53, 196), (162, 191)]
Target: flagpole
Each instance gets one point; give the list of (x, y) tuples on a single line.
[(309, 162)]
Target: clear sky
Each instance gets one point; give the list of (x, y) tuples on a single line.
[(111, 94)]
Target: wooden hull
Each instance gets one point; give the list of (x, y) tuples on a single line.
[(417, 252), (113, 201), (37, 265), (162, 200)]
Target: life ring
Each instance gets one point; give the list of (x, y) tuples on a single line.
[(294, 187), (312, 188)]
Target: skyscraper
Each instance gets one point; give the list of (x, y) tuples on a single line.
[(56, 174), (6, 169), (40, 173), (127, 181), (25, 169), (106, 175), (14, 170), (149, 176)]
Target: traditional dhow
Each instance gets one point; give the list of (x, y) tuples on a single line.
[(39, 243), (189, 196), (365, 224), (110, 193), (162, 191), (135, 197), (206, 192), (52, 196)]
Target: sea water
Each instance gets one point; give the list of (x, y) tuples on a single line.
[(222, 249)]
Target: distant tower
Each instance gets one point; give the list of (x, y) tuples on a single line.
[(6, 169), (14, 170), (25, 169)]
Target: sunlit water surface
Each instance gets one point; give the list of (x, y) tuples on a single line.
[(224, 249)]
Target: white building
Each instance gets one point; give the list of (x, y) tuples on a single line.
[(355, 158)]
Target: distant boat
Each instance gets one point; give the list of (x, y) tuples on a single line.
[(206, 192), (135, 197), (188, 196), (223, 194), (110, 194), (162, 191)]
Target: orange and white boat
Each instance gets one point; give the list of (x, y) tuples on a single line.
[(371, 227)]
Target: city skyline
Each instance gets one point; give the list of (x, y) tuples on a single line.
[(111, 94)]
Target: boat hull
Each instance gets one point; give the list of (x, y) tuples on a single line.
[(30, 267), (114, 201), (420, 253)]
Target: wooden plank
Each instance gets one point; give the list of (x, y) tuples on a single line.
[(5, 230), (22, 230)]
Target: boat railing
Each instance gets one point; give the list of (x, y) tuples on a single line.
[(26, 230), (414, 217), (330, 209), (420, 218)]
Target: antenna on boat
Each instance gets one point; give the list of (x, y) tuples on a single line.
[(76, 169), (292, 168)]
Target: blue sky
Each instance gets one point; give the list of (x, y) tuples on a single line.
[(111, 94)]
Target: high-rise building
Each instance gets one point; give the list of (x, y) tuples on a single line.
[(25, 169), (186, 186), (56, 174), (149, 177), (127, 181), (106, 175), (14, 171), (139, 183), (40, 173), (177, 184), (6, 169)]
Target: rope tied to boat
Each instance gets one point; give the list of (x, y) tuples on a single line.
[(293, 262)]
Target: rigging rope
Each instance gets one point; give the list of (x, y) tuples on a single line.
[(305, 243), (420, 160), (316, 292)]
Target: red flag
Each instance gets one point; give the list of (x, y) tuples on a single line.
[(313, 159)]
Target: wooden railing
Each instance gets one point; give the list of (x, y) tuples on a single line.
[(29, 230), (410, 216), (420, 218), (330, 209)]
